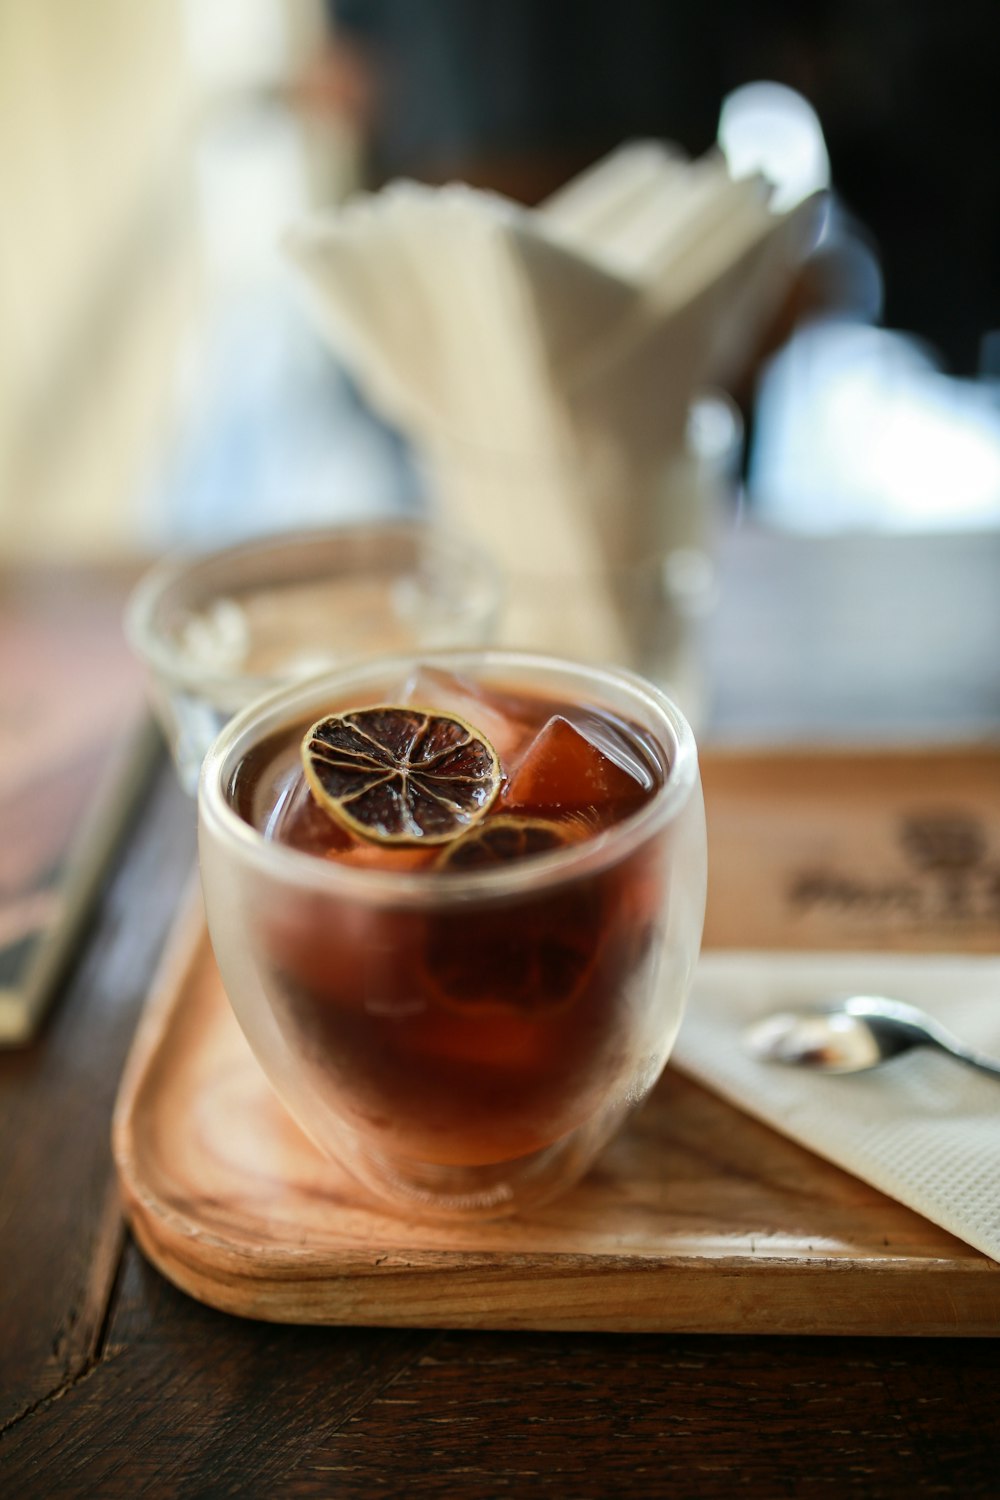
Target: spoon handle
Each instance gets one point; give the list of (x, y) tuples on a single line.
[(922, 1028)]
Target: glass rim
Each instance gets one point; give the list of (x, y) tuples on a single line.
[(158, 653), (427, 887)]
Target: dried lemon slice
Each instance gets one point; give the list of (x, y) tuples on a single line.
[(401, 775), (502, 839)]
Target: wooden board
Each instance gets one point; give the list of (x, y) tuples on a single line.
[(696, 1218), (890, 849)]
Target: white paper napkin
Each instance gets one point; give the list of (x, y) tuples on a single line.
[(543, 362), (923, 1128)]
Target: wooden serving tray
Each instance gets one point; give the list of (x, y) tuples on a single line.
[(697, 1218)]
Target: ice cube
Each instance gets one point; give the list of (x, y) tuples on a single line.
[(432, 687), (578, 766), (297, 819)]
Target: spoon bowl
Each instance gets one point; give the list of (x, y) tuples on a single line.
[(853, 1034)]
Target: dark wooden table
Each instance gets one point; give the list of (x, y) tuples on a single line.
[(112, 1383)]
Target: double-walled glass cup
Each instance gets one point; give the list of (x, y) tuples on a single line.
[(352, 983), (215, 631)]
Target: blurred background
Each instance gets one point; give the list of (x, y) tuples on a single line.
[(160, 383)]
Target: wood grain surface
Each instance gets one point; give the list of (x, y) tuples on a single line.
[(695, 1218), (62, 1230)]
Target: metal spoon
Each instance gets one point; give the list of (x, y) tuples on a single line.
[(858, 1032)]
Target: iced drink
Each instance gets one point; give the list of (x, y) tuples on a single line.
[(472, 909)]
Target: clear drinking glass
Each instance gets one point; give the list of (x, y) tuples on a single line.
[(218, 630), (381, 1003)]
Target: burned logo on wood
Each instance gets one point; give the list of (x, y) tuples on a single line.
[(947, 874)]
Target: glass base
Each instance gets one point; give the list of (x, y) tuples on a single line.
[(433, 1192)]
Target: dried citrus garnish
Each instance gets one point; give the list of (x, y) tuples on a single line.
[(401, 775), (500, 840)]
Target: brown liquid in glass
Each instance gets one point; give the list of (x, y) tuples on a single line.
[(478, 1030)]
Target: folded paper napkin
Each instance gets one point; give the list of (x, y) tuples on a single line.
[(543, 361), (922, 1128)]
